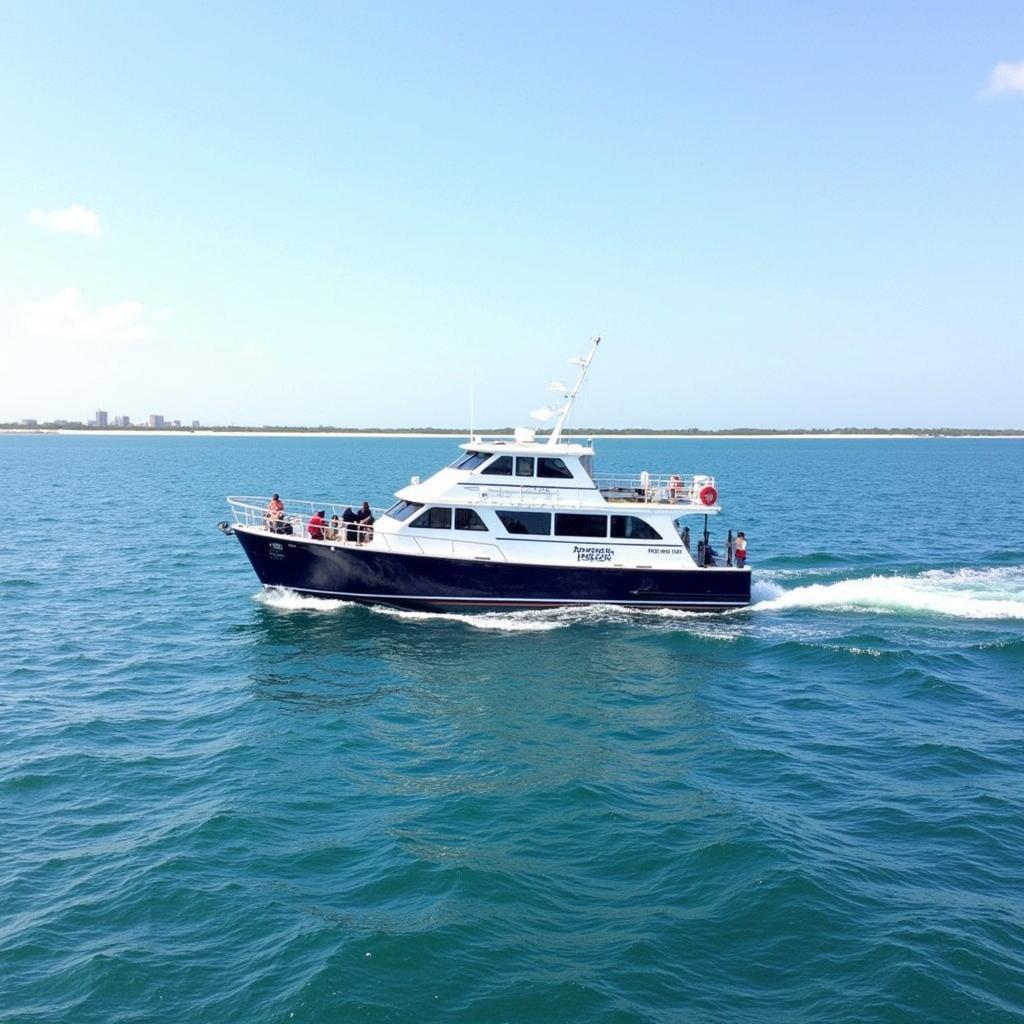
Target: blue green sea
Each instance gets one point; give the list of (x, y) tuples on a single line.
[(224, 805)]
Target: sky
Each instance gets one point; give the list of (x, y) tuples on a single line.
[(775, 215)]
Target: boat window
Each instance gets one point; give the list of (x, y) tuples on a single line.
[(524, 466), (501, 466), (587, 462), (467, 519), (633, 528), (401, 510), (554, 468), (470, 460), (573, 525), (433, 519), (526, 522)]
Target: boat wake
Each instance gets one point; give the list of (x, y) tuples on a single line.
[(996, 593), (539, 621), (961, 593)]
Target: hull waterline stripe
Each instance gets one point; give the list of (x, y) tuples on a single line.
[(492, 600)]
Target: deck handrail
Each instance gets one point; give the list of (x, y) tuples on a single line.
[(251, 511), (650, 488)]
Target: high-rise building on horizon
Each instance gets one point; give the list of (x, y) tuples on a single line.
[(122, 421), (155, 420), (101, 417)]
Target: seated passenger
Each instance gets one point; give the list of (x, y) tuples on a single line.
[(316, 526), (331, 533), (675, 488), (365, 521), (348, 517), (273, 517)]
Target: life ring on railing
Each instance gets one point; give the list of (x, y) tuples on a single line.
[(708, 495)]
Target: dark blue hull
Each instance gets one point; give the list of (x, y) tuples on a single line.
[(418, 581)]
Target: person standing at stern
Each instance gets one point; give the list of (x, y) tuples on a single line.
[(740, 550)]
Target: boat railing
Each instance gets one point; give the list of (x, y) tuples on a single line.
[(650, 488), (251, 512)]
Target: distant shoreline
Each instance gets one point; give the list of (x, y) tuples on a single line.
[(625, 435)]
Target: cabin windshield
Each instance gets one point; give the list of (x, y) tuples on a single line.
[(401, 510), (470, 460)]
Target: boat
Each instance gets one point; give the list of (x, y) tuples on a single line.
[(513, 522)]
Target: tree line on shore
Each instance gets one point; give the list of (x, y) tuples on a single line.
[(577, 432)]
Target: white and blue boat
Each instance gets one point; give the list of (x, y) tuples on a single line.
[(511, 523)]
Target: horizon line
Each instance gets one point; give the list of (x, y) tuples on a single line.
[(54, 427)]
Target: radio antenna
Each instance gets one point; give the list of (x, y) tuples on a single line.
[(584, 364)]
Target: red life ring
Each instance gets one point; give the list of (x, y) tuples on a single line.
[(708, 495)]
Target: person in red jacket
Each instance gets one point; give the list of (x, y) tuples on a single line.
[(316, 526)]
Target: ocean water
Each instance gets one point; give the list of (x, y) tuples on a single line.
[(226, 805)]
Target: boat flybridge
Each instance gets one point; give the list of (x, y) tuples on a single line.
[(522, 522)]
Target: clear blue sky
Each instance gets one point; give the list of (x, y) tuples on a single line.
[(775, 214)]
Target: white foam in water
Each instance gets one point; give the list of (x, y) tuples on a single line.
[(284, 600), (964, 593), (525, 621)]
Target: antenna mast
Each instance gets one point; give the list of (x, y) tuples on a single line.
[(584, 365)]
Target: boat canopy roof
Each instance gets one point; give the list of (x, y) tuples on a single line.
[(517, 447)]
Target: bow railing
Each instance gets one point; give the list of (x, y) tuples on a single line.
[(253, 513)]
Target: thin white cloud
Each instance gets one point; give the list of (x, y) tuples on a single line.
[(1006, 79), (75, 220), (63, 316)]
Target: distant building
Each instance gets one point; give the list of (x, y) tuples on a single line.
[(122, 421), (175, 423), (30, 423), (101, 417), (195, 424), (155, 420)]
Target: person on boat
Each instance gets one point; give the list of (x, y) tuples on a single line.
[(348, 517), (740, 550), (685, 538), (365, 521), (333, 528), (273, 517), (675, 488), (316, 526)]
